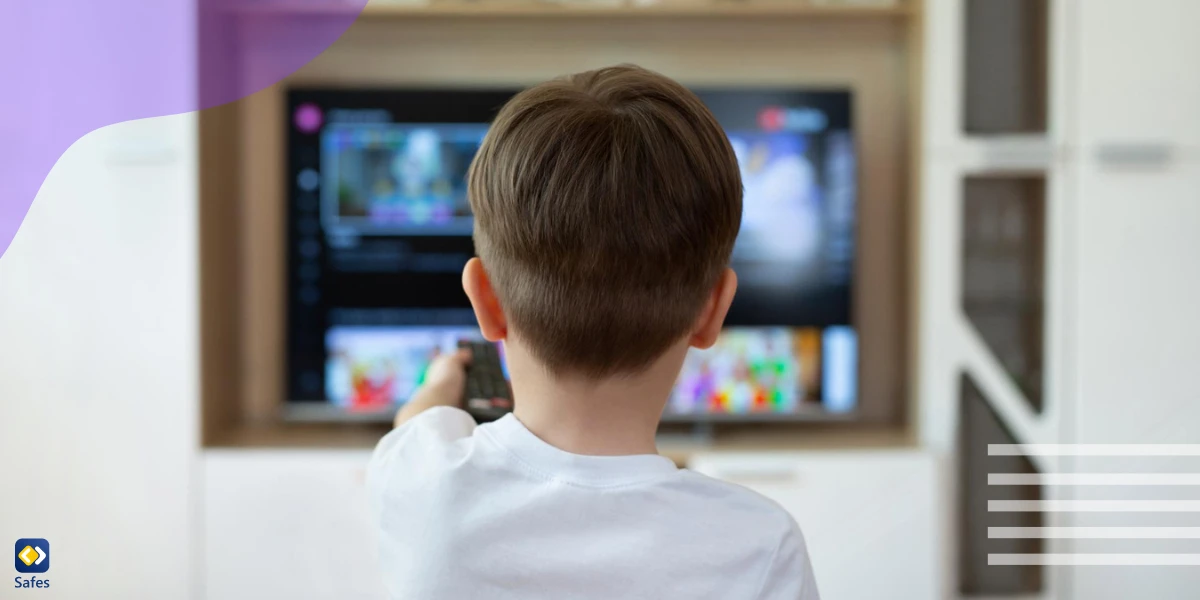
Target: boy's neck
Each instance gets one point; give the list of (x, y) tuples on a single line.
[(609, 417)]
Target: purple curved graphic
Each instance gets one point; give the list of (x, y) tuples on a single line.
[(68, 67)]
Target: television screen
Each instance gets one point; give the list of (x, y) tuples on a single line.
[(379, 228)]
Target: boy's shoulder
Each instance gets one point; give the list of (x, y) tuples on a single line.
[(738, 504)]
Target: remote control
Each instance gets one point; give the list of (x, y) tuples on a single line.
[(487, 395)]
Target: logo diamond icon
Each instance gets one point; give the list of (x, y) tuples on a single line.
[(27, 555), (32, 555)]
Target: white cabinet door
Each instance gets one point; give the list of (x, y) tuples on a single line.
[(870, 518), (99, 367), (1138, 81), (1138, 346), (288, 524), (1139, 305)]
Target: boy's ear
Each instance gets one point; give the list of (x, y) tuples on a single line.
[(712, 317), (478, 287)]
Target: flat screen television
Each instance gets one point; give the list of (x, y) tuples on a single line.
[(379, 227)]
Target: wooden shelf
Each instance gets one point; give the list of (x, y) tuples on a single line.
[(679, 448), (536, 8)]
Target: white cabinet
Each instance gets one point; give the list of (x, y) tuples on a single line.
[(1139, 305), (1137, 79), (288, 524), (1138, 280), (1138, 349), (98, 368), (871, 519)]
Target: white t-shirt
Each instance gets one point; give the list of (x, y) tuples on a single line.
[(494, 513)]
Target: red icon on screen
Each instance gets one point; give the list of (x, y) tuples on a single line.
[(772, 118)]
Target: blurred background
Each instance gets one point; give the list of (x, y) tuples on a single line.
[(961, 355)]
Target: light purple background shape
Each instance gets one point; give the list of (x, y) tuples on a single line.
[(69, 67)]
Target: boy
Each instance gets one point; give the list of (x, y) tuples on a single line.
[(606, 206)]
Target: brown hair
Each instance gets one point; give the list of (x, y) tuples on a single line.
[(606, 205)]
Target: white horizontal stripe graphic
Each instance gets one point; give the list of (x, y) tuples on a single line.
[(1093, 505), (1093, 449), (1096, 533), (1094, 479), (1148, 560)]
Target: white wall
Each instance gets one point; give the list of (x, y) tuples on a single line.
[(99, 364)]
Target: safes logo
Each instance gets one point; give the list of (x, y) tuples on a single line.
[(31, 555)]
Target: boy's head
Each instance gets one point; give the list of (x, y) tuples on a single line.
[(606, 206)]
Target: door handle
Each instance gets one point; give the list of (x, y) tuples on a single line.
[(1137, 155)]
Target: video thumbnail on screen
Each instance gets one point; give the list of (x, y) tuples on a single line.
[(774, 370), (393, 178), (371, 368)]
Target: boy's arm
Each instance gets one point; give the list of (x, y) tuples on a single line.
[(790, 574), (424, 438), (444, 382)]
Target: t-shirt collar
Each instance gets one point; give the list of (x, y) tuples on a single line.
[(597, 471)]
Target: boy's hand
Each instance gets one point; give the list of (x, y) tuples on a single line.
[(443, 386), (446, 377)]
